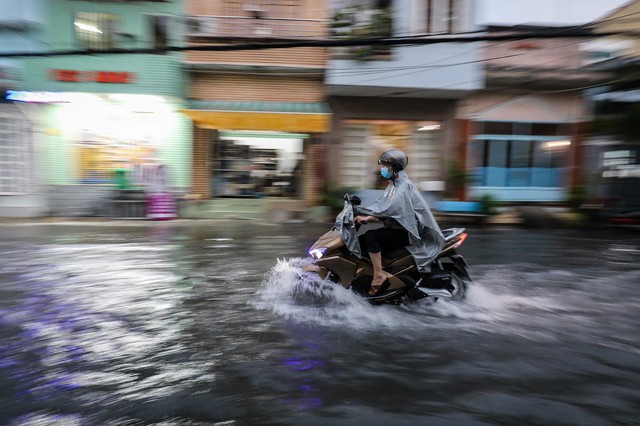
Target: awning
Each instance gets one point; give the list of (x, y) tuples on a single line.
[(272, 116)]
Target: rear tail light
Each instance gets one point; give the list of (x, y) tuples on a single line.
[(460, 241)]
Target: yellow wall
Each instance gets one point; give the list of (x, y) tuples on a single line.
[(623, 19)]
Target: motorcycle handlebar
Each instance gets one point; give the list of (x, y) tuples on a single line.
[(352, 199)]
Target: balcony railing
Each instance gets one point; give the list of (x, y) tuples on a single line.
[(250, 27), (544, 77)]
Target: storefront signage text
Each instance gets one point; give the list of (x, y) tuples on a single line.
[(620, 164), (75, 76)]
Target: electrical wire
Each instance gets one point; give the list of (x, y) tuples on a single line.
[(558, 32), (426, 68), (391, 41), (561, 32)]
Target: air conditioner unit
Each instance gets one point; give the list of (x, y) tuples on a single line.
[(262, 31), (199, 26), (255, 11)]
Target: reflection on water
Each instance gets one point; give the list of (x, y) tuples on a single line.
[(190, 326)]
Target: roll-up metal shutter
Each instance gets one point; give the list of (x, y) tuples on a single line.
[(425, 157), (357, 160)]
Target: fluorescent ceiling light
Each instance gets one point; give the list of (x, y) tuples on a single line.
[(87, 27), (556, 144), (426, 126)]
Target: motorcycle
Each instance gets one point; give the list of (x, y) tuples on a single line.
[(449, 277)]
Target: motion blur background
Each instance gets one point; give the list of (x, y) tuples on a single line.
[(204, 108)]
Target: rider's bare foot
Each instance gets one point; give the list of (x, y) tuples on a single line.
[(377, 282)]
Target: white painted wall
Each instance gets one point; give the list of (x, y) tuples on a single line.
[(448, 67)]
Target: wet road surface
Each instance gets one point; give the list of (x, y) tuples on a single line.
[(183, 324)]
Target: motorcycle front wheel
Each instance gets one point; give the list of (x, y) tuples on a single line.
[(459, 285)]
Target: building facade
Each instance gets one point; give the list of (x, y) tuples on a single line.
[(526, 129), (259, 115), (511, 115), (612, 154), (98, 114), (402, 96)]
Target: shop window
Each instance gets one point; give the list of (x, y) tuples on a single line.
[(496, 163), (96, 31), (530, 158), (259, 164), (15, 155), (519, 163), (537, 163), (114, 134)]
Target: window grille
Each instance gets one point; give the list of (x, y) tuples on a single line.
[(16, 155), (96, 31)]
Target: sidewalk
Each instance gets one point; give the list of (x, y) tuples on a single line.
[(520, 216), (523, 216), (108, 221)]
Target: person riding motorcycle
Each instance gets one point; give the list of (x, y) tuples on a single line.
[(407, 219)]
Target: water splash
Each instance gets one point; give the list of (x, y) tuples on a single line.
[(499, 301), (292, 293), (303, 297)]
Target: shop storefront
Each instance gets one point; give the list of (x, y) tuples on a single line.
[(521, 161), (104, 121), (105, 128), (365, 127), (364, 140), (523, 148), (90, 143), (256, 149)]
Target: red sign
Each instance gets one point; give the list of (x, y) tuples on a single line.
[(74, 76)]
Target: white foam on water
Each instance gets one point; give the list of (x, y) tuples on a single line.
[(290, 292)]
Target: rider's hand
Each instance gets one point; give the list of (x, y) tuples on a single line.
[(364, 219)]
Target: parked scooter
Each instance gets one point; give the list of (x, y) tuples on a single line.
[(449, 276)]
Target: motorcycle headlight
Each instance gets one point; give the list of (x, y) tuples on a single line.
[(317, 253)]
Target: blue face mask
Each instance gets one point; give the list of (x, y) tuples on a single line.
[(386, 173)]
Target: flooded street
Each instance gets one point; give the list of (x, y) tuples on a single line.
[(203, 324)]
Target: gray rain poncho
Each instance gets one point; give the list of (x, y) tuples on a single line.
[(402, 202)]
